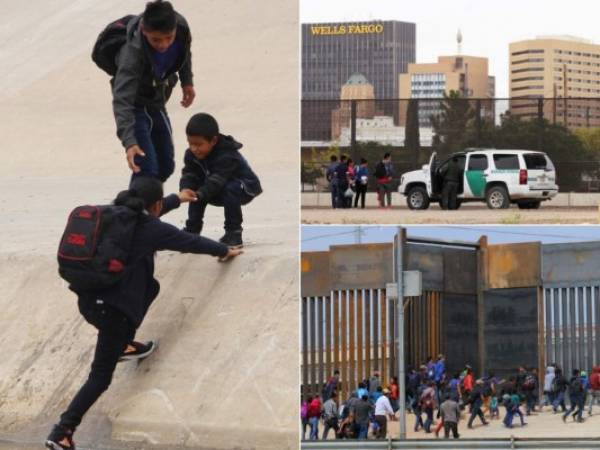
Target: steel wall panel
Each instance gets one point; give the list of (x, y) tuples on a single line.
[(460, 271), (570, 264), (367, 266), (513, 265), (429, 260), (511, 329), (314, 280), (459, 317)]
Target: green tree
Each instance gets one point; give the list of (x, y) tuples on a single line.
[(412, 138), (450, 126)]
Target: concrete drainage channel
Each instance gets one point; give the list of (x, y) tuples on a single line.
[(466, 444)]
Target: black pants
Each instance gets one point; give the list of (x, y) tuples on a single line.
[(476, 411), (450, 426), (449, 193), (382, 430), (361, 192), (115, 331), (232, 197)]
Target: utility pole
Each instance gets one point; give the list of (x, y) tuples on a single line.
[(399, 241)]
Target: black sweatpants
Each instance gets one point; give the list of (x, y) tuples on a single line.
[(450, 426), (115, 331), (361, 192)]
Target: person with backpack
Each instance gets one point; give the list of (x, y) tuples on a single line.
[(576, 396), (549, 393), (594, 392), (331, 177), (528, 388), (146, 55), (559, 387), (118, 307), (331, 386), (476, 401), (428, 404), (384, 172), (361, 181), (218, 173), (341, 174), (330, 415)]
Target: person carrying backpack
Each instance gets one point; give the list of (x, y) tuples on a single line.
[(118, 309), (384, 172), (559, 387), (146, 55), (577, 398), (594, 387)]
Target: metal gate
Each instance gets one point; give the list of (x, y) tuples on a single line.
[(572, 326), (354, 331)]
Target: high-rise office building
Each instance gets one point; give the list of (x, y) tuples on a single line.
[(467, 75), (555, 67), (332, 52)]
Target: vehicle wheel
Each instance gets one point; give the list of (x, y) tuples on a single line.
[(497, 198), (417, 198)]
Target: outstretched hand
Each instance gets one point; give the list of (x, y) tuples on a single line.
[(187, 195), (188, 96), (231, 253), (132, 151)]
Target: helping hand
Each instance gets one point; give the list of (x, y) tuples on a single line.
[(132, 151), (188, 96), (187, 195)]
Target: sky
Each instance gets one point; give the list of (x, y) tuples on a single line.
[(319, 238), (487, 26)]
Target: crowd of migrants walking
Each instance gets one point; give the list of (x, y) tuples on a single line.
[(348, 181), (438, 400)]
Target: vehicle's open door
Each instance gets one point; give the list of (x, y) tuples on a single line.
[(433, 182)]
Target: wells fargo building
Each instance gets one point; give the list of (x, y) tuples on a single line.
[(332, 52)]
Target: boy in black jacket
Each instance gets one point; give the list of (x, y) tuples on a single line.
[(220, 175), (118, 311)]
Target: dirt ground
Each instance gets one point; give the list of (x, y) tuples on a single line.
[(469, 214)]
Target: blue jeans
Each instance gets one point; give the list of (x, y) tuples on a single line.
[(314, 428), (508, 418), (232, 197), (334, 193), (154, 136), (363, 430), (429, 420), (559, 400)]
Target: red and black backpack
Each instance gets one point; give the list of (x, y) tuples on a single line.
[(94, 249)]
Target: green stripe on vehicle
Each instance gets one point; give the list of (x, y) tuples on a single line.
[(476, 182)]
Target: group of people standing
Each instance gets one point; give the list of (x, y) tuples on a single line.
[(348, 180), (433, 393)]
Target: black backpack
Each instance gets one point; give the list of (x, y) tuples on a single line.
[(95, 246), (576, 386), (109, 43), (380, 171)]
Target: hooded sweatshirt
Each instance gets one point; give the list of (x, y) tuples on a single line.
[(549, 379), (136, 85)]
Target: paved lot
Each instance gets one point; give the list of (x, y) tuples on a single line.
[(469, 214)]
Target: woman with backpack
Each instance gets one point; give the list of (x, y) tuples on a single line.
[(118, 310)]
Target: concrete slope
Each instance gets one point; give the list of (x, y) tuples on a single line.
[(225, 374)]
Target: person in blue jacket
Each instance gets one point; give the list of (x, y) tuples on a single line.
[(361, 181), (118, 311)]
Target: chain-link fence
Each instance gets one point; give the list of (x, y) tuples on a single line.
[(568, 130)]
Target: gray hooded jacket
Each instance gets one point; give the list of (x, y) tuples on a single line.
[(135, 84)]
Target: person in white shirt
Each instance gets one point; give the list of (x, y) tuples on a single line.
[(383, 410)]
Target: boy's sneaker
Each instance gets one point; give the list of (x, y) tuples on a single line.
[(60, 439), (232, 239), (137, 350)]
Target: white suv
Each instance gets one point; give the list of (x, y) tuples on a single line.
[(498, 177)]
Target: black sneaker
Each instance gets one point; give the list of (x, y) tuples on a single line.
[(232, 239), (60, 438), (137, 350)]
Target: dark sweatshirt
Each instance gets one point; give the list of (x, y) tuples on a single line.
[(136, 84), (209, 176), (134, 294)]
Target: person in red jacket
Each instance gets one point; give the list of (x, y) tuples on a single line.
[(314, 414), (594, 387)]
